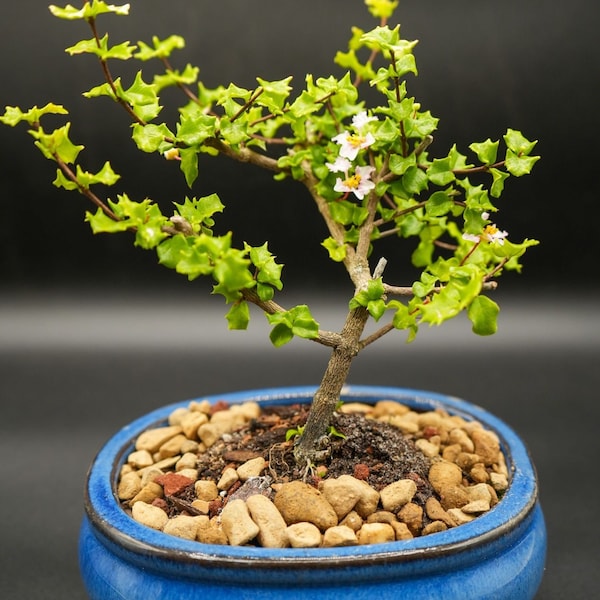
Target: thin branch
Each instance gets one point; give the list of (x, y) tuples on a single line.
[(493, 272), (110, 80), (376, 335), (481, 169), (184, 88), (395, 290), (68, 172), (401, 213), (325, 338), (427, 141), (245, 155), (248, 104)]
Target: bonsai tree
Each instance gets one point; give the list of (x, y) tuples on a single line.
[(368, 170)]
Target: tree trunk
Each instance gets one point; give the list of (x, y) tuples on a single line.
[(328, 394)]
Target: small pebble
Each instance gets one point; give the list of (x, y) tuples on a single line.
[(304, 535), (376, 533), (149, 515), (339, 535)]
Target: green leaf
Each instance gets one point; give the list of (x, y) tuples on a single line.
[(57, 143), (404, 318), (101, 49), (425, 286), (304, 105), (498, 178), (399, 165), (438, 204), (388, 40), (238, 316), (189, 164), (13, 114), (377, 308), (199, 212), (104, 89), (349, 60), (106, 175), (386, 132), (518, 143), (101, 223), (143, 98), (381, 9), (414, 180), (337, 252), (150, 138), (232, 273), (195, 127), (519, 165), (486, 151), (303, 324), (281, 334), (297, 321), (176, 77), (85, 179), (371, 298), (462, 288), (160, 48), (64, 182), (274, 94), (89, 11), (269, 272), (483, 314)]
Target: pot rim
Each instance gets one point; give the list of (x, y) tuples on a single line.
[(109, 520)]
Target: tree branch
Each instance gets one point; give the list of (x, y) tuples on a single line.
[(325, 338), (376, 335)]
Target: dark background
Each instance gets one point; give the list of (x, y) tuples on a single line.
[(93, 332)]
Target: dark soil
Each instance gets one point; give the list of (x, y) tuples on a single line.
[(371, 450)]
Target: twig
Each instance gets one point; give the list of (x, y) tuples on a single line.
[(376, 335), (325, 338)]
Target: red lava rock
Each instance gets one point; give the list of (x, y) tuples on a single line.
[(161, 503), (173, 483), (430, 431), (234, 488), (214, 507), (361, 471), (219, 406)]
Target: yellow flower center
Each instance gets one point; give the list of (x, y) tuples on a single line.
[(356, 141), (353, 182)]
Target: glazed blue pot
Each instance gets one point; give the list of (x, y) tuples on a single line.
[(498, 555)]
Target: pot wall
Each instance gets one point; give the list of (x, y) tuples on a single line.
[(499, 555)]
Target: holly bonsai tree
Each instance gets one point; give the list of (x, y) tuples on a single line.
[(367, 168)]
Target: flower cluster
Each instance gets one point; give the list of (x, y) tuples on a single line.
[(359, 181)]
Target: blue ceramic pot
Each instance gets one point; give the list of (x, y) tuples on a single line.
[(498, 555)]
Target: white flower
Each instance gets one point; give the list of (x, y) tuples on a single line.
[(340, 165), (359, 184), (471, 237), (490, 233), (361, 119), (351, 144)]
